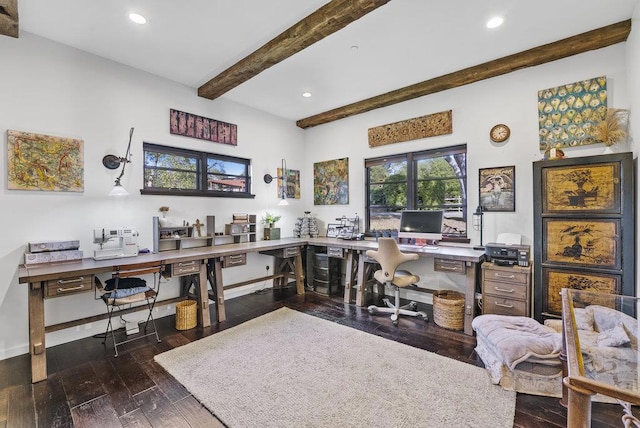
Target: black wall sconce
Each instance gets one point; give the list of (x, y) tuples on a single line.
[(268, 178), (113, 162)]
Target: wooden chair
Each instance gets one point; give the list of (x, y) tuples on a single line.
[(389, 257), (125, 289)]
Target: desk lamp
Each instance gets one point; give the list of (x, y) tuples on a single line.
[(113, 162), (478, 224)]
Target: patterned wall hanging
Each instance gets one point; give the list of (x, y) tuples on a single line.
[(293, 183), (331, 182), (567, 113), (430, 125), (44, 162), (202, 128)]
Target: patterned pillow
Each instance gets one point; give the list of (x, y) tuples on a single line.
[(616, 336), (584, 319)]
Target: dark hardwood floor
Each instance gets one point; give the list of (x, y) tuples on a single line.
[(88, 387)]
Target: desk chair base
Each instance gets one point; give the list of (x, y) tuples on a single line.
[(396, 310)]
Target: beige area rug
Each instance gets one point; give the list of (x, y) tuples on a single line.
[(289, 369)]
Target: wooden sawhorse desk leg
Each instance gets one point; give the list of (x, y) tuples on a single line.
[(299, 272), (204, 317), (37, 348), (350, 277), (470, 298), (215, 278)]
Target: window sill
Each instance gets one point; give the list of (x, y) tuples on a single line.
[(208, 194)]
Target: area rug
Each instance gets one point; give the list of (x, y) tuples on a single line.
[(289, 369)]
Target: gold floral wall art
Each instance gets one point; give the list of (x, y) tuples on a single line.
[(44, 162)]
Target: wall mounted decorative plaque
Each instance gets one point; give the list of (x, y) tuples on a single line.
[(430, 125), (202, 128)]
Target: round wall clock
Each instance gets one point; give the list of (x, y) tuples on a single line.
[(499, 133)]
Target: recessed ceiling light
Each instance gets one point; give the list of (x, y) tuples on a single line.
[(306, 94), (137, 18), (495, 22)]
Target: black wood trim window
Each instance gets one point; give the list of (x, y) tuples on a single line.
[(430, 179), (182, 172)]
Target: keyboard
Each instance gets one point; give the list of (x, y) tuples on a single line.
[(410, 247)]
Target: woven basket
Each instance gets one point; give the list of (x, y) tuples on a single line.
[(186, 314), (448, 309)]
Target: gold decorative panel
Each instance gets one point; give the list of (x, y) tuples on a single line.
[(430, 125)]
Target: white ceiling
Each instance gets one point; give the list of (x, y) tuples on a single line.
[(399, 44)]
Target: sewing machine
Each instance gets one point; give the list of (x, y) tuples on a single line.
[(125, 245)]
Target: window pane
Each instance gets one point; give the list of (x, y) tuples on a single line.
[(167, 179), (384, 218), (226, 183)]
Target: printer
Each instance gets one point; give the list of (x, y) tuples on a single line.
[(508, 254)]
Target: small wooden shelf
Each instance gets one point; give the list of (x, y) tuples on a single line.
[(185, 238)]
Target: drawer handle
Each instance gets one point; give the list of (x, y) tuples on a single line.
[(70, 281), (504, 290), (66, 290), (497, 275), (186, 270), (449, 267), (503, 305), (191, 263)]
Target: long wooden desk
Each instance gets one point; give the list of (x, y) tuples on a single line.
[(206, 264), (193, 261), (460, 260)]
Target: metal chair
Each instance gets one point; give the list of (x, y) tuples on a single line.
[(389, 257), (124, 290)]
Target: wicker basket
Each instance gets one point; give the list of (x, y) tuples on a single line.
[(448, 309), (186, 314)]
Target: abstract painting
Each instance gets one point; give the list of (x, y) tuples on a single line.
[(202, 128), (331, 182), (44, 162), (567, 113), (293, 183)]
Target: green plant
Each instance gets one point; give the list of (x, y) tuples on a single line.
[(270, 219)]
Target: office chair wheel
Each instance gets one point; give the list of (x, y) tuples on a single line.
[(372, 309), (394, 319), (424, 316)]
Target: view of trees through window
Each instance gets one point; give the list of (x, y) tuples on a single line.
[(177, 171), (420, 180)]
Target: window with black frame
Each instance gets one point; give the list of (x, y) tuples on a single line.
[(425, 180), (174, 171)]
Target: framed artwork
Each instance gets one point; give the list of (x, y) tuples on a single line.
[(331, 182), (567, 113), (584, 188), (333, 229), (44, 162), (592, 242), (202, 128), (497, 188), (293, 183), (557, 279)]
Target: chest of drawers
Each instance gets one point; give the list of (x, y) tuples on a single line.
[(506, 290)]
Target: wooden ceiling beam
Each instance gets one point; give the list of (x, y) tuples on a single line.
[(325, 21), (591, 40), (9, 18)]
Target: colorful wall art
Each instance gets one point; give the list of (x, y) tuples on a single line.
[(202, 128), (567, 113), (331, 182), (293, 183), (44, 162)]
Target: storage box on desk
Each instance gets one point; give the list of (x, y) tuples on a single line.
[(448, 309), (52, 257), (39, 247)]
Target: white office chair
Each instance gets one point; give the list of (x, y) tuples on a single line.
[(389, 257)]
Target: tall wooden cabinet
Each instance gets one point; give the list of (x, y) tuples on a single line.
[(584, 228)]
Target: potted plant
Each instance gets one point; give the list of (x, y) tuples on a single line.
[(270, 220)]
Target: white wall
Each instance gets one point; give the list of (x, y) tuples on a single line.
[(510, 99), (52, 89), (633, 85)]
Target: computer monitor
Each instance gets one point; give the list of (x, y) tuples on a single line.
[(419, 224)]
